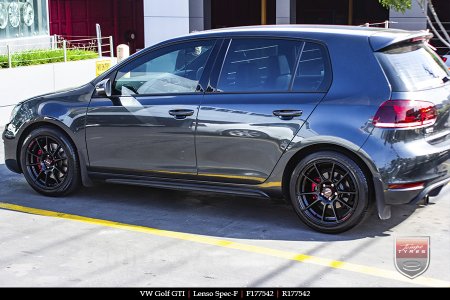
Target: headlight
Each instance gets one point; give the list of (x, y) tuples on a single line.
[(14, 112)]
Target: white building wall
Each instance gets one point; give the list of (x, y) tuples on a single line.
[(413, 19), (165, 19)]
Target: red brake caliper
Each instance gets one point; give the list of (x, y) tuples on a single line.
[(39, 160), (313, 187)]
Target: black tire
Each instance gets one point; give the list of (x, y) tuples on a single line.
[(50, 162), (325, 202)]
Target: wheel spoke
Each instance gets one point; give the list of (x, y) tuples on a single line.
[(308, 193), (351, 193), (313, 181), (323, 211), (39, 175), (33, 165), (345, 203), (59, 159), (39, 145), (334, 212), (318, 172), (46, 179), (332, 173), (30, 153), (56, 151), (309, 206), (59, 171), (56, 177), (47, 145), (339, 181)]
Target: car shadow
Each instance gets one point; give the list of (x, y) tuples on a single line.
[(208, 214)]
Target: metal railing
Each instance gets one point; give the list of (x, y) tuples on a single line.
[(384, 24), (56, 49)]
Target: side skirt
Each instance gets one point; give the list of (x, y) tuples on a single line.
[(179, 184)]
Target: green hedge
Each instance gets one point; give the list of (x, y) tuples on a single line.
[(40, 57)]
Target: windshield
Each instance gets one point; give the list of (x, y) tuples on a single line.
[(413, 67)]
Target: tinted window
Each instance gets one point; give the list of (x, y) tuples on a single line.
[(259, 65), (313, 71), (412, 67), (174, 69)]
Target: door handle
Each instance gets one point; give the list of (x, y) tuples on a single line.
[(181, 113), (287, 114)]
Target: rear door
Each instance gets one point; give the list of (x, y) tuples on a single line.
[(261, 93)]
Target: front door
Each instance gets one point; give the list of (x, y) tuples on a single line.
[(148, 125), (264, 94)]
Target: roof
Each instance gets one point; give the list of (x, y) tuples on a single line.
[(379, 37)]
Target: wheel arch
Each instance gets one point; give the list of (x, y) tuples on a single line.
[(48, 122), (362, 162)]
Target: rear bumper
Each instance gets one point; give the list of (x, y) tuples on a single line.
[(407, 162), (412, 196)]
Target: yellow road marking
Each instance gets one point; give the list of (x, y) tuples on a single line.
[(309, 259)]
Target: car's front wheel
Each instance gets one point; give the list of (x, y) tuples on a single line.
[(50, 162), (329, 192)]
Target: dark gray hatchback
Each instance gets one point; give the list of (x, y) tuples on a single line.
[(332, 118)]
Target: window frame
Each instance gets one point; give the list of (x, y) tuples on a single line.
[(221, 57), (216, 42)]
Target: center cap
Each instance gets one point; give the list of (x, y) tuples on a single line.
[(48, 162), (327, 192)]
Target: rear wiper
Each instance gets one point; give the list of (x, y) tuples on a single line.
[(445, 79)]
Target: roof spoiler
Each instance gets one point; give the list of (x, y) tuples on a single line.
[(384, 39)]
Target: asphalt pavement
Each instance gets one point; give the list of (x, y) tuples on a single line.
[(135, 236)]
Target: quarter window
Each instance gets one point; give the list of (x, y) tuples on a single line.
[(171, 70), (313, 71)]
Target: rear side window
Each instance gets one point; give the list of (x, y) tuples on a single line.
[(412, 67), (259, 65)]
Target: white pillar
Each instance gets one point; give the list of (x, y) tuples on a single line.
[(199, 15), (283, 12)]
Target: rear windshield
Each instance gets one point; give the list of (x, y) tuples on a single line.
[(412, 67)]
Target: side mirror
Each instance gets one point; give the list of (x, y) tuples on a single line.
[(103, 88)]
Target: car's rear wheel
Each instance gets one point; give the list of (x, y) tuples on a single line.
[(50, 162), (329, 192)]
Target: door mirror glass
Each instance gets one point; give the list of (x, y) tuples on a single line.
[(103, 88)]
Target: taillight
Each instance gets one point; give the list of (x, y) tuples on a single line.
[(405, 114), (444, 58)]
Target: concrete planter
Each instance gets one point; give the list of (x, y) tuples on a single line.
[(21, 83)]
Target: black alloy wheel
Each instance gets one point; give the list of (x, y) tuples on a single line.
[(50, 162), (329, 192)]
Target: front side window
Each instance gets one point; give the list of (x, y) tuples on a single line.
[(259, 65), (170, 70)]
